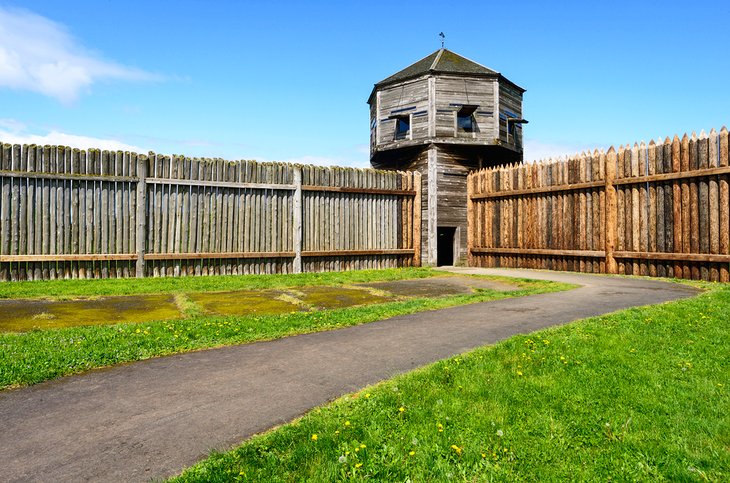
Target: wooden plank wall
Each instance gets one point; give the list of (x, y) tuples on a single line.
[(658, 209), (66, 213)]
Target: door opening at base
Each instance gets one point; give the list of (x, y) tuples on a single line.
[(445, 248)]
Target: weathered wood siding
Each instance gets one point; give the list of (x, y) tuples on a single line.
[(454, 91), (66, 213), (510, 105), (661, 209), (409, 98), (453, 170)]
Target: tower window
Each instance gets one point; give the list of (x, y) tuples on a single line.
[(465, 121), (402, 127)]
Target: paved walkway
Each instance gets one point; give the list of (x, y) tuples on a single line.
[(153, 418)]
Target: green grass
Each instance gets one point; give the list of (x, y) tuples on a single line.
[(35, 356), (638, 395), (65, 289)]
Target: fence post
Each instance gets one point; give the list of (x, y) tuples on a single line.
[(417, 219), (141, 213), (297, 219), (611, 211), (470, 217)]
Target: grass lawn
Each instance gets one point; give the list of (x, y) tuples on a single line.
[(638, 395), (35, 356), (69, 289)]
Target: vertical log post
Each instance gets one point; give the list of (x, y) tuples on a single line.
[(417, 219), (470, 180), (611, 211), (297, 217), (141, 214)]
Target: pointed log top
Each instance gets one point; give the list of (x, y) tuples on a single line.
[(642, 144), (668, 140), (676, 138), (694, 134), (685, 137), (597, 152), (651, 143), (611, 150), (712, 131), (723, 129), (703, 134)]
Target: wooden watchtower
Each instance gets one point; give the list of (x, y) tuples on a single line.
[(444, 116)]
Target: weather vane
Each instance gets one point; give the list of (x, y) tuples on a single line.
[(443, 37)]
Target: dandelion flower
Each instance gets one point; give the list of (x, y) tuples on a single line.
[(411, 453), (401, 409), (363, 446), (314, 437), (358, 465), (456, 449), (347, 423), (367, 395), (519, 373)]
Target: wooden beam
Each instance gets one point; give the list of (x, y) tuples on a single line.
[(611, 210), (66, 176), (297, 221), (698, 173), (222, 184), (367, 191), (141, 215), (216, 255), (684, 257), (540, 190), (86, 257), (350, 253), (432, 186), (417, 219), (540, 252)]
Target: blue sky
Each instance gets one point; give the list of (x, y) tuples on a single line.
[(289, 81)]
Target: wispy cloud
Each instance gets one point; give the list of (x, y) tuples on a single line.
[(40, 55), (537, 150), (14, 132)]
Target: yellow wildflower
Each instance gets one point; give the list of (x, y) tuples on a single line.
[(358, 465), (401, 409), (411, 453), (314, 437), (456, 448)]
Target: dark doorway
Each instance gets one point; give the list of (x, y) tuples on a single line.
[(445, 246)]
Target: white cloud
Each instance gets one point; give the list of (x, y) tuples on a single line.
[(19, 136), (537, 150), (40, 55)]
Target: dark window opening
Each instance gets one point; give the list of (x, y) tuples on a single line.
[(445, 247), (465, 121), (402, 127)]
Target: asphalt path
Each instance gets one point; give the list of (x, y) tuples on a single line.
[(151, 419)]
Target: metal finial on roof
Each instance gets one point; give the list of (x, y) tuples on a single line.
[(443, 37)]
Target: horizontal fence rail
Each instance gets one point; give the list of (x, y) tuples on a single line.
[(69, 213), (661, 209)]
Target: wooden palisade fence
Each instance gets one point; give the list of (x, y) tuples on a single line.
[(66, 213), (660, 209)]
